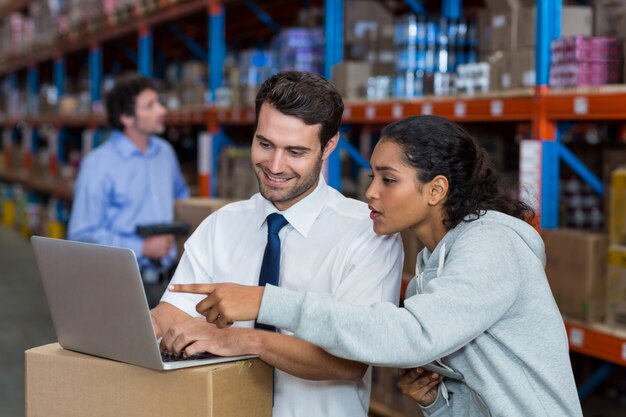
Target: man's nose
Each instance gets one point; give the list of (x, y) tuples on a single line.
[(277, 162)]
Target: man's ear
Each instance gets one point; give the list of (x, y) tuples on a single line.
[(438, 190), (127, 120), (330, 146)]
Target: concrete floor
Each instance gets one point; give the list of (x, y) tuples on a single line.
[(24, 314)]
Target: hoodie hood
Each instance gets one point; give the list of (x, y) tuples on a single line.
[(525, 231)]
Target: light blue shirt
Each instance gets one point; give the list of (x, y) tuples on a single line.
[(119, 187)]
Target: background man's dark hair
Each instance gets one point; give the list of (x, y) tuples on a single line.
[(309, 97), (122, 98)]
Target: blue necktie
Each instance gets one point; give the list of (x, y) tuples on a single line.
[(270, 268)]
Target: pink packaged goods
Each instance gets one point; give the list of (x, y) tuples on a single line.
[(585, 61), (586, 48)]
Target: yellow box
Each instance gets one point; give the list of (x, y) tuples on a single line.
[(617, 219), (616, 286), (8, 213)]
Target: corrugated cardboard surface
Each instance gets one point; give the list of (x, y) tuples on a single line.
[(194, 211), (610, 18), (63, 383), (575, 20), (576, 270), (617, 219), (616, 286)]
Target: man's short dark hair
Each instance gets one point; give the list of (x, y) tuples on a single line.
[(122, 98), (309, 97)]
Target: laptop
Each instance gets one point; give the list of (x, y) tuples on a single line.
[(98, 305)]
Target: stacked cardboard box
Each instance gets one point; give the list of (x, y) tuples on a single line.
[(576, 271), (236, 178), (511, 36), (610, 20), (369, 48), (616, 286), (616, 279)]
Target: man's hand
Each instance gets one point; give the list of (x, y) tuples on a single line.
[(196, 335), (155, 326), (419, 384), (225, 303), (157, 247)]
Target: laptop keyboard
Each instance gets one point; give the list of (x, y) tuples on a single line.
[(175, 357)]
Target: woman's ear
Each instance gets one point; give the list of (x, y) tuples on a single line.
[(438, 190)]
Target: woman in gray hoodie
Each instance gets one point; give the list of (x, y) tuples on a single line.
[(479, 303)]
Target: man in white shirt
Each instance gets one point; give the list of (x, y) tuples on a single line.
[(326, 245)]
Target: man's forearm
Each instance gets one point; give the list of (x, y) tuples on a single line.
[(303, 359)]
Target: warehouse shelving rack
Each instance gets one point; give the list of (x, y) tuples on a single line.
[(543, 108)]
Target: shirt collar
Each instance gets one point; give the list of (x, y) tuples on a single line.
[(127, 149), (301, 215)]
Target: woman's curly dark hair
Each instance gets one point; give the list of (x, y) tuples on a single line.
[(436, 146)]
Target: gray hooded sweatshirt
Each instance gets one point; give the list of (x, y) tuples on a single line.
[(480, 303)]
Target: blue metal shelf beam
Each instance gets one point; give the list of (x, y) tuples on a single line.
[(265, 18), (217, 47), (416, 7), (548, 28), (95, 73), (198, 51), (333, 31), (130, 54), (145, 52), (451, 9), (59, 75)]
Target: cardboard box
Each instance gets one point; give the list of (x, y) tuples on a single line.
[(575, 20), (523, 69), (364, 16), (616, 286), (63, 383), (194, 211), (576, 271), (483, 25), (350, 78), (610, 18), (504, 24), (617, 219), (612, 159)]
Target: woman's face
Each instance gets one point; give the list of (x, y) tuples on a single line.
[(397, 199)]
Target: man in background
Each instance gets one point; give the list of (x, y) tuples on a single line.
[(132, 179)]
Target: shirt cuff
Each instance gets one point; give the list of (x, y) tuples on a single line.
[(134, 243), (180, 302), (439, 402), (280, 307)]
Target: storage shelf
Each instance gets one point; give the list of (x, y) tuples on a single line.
[(513, 106), (602, 103), (13, 6), (106, 31), (506, 107), (597, 340), (47, 185), (195, 115), (90, 120)]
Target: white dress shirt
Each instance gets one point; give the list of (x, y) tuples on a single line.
[(328, 246)]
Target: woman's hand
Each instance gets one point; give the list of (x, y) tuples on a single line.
[(225, 303), (420, 385)]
